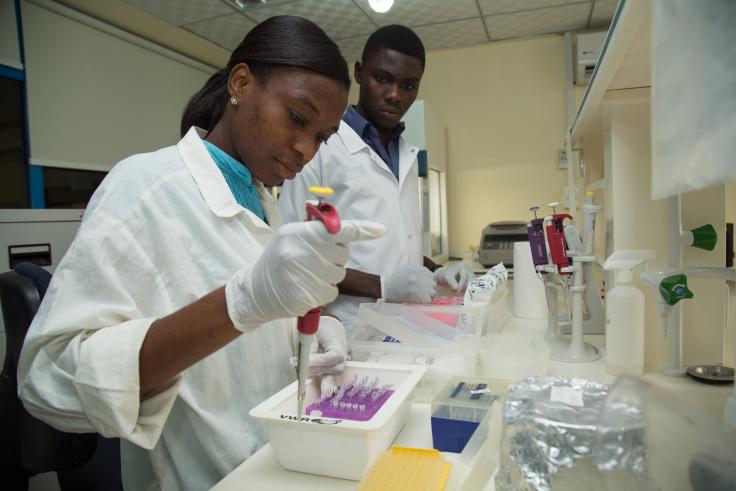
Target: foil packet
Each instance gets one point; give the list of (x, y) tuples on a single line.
[(553, 432)]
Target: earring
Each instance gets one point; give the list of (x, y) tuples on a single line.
[(234, 101)]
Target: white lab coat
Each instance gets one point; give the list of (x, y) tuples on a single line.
[(162, 230), (365, 189)]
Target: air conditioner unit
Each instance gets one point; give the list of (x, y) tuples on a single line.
[(588, 49)]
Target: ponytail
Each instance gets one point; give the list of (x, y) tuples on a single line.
[(207, 106), (280, 42)]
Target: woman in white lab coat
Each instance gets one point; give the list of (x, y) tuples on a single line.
[(171, 315)]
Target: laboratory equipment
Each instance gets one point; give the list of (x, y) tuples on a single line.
[(594, 321), (497, 242), (358, 400), (459, 407), (414, 324), (578, 351), (569, 255), (308, 324), (593, 318), (625, 315), (305, 443), (529, 290), (671, 287), (442, 359), (716, 374), (555, 228), (402, 468), (671, 283), (537, 244)]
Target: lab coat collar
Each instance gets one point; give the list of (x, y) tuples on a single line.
[(211, 182), (354, 144), (352, 141)]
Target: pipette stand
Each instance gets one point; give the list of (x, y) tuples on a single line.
[(578, 350), (557, 343)]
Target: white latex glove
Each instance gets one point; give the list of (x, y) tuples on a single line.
[(329, 349), (410, 284), (297, 271), (456, 277)]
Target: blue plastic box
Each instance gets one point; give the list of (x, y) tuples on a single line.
[(459, 407)]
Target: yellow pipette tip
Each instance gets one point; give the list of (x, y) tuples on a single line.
[(321, 191)]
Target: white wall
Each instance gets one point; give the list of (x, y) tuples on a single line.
[(504, 108), (9, 46), (97, 94)]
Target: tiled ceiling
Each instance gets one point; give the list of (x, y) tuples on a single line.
[(440, 23)]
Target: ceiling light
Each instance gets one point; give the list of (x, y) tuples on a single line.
[(381, 6), (242, 4)]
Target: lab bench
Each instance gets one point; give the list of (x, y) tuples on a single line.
[(262, 470)]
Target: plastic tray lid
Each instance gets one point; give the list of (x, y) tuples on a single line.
[(471, 392)]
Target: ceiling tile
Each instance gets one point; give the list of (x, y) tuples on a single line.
[(180, 12), (543, 21), (352, 48), (603, 12), (339, 18), (489, 7), (452, 34), (227, 31), (420, 12)]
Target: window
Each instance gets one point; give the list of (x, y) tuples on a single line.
[(13, 171), (434, 226), (69, 188)]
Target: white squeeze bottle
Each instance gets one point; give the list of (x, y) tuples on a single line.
[(625, 315)]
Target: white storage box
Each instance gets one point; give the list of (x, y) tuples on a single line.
[(513, 356), (419, 324), (478, 319), (311, 444), (442, 359)]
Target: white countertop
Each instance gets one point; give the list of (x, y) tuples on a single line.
[(262, 470)]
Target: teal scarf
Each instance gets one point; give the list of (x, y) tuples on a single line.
[(238, 179)]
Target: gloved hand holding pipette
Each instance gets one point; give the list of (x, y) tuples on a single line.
[(297, 271)]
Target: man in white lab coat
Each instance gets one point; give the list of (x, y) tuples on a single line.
[(374, 173)]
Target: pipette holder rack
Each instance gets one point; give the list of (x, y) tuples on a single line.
[(574, 350)]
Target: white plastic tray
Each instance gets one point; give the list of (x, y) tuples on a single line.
[(315, 444)]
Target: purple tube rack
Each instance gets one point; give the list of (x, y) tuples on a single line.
[(371, 406)]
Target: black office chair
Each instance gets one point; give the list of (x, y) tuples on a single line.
[(30, 446)]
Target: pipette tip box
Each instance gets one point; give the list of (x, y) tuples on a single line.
[(310, 442), (404, 468), (459, 407)]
